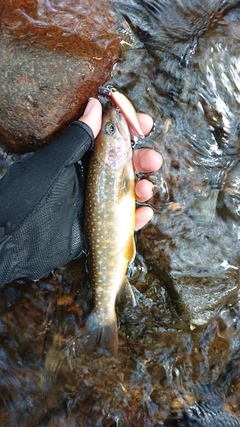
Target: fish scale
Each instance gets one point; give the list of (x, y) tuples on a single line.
[(110, 218)]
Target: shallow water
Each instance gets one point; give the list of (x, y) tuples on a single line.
[(69, 22), (180, 344), (188, 80)]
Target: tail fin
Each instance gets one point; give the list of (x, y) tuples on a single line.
[(101, 336)]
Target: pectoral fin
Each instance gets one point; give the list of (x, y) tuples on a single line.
[(127, 182)]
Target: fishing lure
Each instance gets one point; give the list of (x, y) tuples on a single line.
[(125, 106)]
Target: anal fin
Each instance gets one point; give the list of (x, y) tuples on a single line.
[(126, 294)]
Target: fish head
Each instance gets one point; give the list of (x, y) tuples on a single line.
[(113, 144)]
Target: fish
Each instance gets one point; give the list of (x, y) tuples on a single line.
[(125, 106), (110, 219)]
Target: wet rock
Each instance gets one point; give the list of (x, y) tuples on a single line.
[(196, 291), (53, 57)]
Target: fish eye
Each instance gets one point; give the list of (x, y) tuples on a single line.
[(110, 128)]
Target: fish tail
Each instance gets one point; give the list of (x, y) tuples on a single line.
[(99, 336)]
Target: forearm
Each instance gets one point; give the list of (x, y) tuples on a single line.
[(41, 214)]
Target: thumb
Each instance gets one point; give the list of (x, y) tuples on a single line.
[(92, 115)]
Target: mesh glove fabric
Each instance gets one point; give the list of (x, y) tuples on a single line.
[(42, 207)]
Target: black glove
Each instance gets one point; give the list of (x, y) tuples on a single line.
[(42, 207)]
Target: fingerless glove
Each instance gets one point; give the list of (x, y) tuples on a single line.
[(42, 207)]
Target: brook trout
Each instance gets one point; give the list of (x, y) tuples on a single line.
[(110, 218)]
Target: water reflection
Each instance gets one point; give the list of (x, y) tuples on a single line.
[(64, 18)]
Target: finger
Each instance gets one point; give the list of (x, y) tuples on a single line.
[(143, 190), (92, 115), (146, 123), (143, 216), (146, 160)]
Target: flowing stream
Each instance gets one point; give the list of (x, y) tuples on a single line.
[(179, 347)]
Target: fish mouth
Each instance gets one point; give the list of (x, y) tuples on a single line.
[(104, 90)]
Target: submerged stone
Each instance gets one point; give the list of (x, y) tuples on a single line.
[(208, 414)]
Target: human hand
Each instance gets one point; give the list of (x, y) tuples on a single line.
[(43, 199), (144, 159)]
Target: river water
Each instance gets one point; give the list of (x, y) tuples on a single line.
[(179, 347)]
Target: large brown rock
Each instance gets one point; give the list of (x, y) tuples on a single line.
[(53, 57)]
